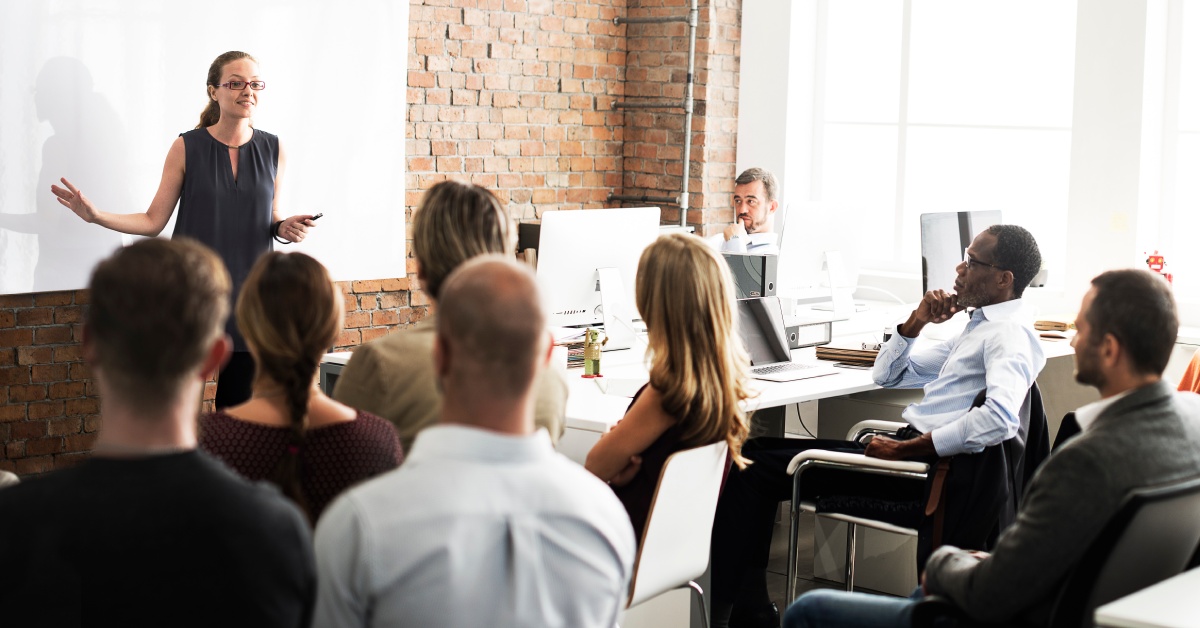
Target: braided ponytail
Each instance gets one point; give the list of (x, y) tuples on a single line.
[(289, 312)]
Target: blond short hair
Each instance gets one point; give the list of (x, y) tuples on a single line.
[(455, 222)]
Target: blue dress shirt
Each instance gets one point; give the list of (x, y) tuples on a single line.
[(996, 351)]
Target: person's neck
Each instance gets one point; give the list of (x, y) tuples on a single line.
[(232, 132), (130, 431), (512, 416), (1121, 382)]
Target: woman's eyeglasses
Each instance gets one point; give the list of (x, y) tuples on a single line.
[(240, 85)]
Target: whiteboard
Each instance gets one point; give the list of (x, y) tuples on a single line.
[(97, 90)]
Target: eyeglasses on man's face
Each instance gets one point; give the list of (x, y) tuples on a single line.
[(240, 85), (971, 262)]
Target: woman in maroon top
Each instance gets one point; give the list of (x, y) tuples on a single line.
[(290, 432), (698, 372)]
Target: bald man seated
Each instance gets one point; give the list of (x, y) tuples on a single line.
[(485, 524)]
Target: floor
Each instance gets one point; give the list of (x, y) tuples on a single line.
[(777, 565)]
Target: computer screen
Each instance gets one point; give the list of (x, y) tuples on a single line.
[(574, 243), (944, 237), (760, 324)]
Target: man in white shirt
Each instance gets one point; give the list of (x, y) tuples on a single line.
[(1141, 433), (485, 524), (755, 200), (997, 352)]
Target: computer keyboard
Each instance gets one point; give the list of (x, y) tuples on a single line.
[(781, 367)]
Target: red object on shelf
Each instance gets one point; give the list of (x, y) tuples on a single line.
[(1158, 264)]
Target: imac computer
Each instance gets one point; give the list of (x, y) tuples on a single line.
[(587, 267), (944, 238)]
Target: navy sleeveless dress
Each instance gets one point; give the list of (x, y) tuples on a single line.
[(232, 216)]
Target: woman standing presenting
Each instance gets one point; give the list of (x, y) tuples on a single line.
[(226, 177)]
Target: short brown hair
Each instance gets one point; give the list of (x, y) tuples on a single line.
[(770, 185), (1137, 308), (157, 307), (455, 222)]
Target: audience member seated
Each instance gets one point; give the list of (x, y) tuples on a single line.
[(393, 376), (485, 524), (149, 531), (290, 432), (1140, 434), (698, 371), (755, 201), (997, 351)]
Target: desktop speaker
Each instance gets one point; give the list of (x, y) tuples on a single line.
[(754, 275)]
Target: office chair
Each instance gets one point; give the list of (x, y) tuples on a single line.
[(1153, 536), (1014, 461), (677, 538)]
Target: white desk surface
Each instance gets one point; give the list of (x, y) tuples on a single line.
[(1168, 604)]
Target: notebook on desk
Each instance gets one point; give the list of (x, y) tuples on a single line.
[(761, 327)]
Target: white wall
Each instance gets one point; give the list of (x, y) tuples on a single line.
[(96, 91)]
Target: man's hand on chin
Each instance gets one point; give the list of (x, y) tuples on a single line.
[(735, 230)]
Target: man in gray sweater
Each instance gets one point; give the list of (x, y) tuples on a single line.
[(1141, 433)]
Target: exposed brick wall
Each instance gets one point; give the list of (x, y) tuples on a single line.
[(654, 138), (515, 95)]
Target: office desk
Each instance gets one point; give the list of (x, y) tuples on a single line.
[(590, 412), (1168, 604)]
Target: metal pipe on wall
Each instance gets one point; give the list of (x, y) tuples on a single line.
[(688, 106)]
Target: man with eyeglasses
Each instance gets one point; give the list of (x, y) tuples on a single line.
[(997, 352)]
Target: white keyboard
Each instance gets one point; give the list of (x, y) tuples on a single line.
[(782, 367)]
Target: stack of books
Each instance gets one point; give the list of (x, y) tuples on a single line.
[(573, 339)]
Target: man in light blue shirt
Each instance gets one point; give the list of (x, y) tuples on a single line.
[(996, 352), (485, 524)]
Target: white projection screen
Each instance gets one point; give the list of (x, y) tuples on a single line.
[(96, 91)]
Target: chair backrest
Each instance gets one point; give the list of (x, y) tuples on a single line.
[(1152, 537), (678, 532)]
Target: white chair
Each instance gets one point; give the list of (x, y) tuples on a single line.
[(819, 458), (675, 544)]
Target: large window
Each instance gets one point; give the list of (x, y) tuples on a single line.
[(943, 105), (1178, 209)]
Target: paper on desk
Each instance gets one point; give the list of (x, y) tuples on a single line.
[(565, 335)]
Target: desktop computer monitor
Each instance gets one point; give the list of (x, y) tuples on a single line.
[(944, 237), (574, 244)]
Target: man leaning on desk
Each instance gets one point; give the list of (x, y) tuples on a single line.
[(755, 199), (997, 352), (1141, 433)]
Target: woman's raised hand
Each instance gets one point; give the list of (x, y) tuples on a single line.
[(73, 199)]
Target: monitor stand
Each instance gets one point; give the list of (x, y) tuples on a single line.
[(618, 324), (839, 303)]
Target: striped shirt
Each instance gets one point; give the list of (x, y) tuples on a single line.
[(997, 352)]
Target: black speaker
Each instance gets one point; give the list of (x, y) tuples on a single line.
[(755, 275)]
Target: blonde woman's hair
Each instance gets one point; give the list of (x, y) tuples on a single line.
[(685, 295), (455, 222), (290, 312)]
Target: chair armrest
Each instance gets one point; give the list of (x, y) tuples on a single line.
[(853, 462), (873, 427)]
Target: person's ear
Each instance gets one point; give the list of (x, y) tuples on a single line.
[(549, 349), (217, 357), (441, 357), (1110, 350)]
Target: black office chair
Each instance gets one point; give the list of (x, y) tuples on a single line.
[(1153, 536)]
